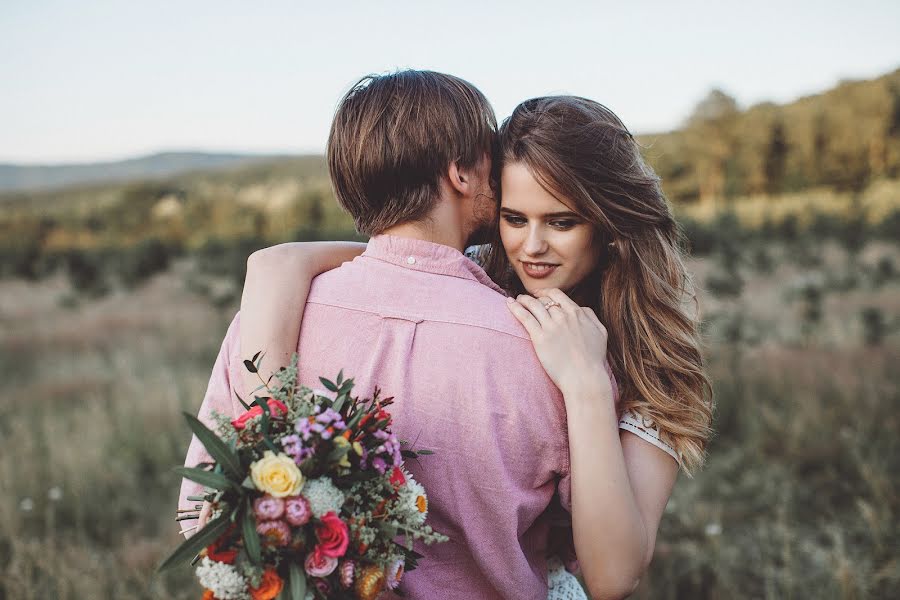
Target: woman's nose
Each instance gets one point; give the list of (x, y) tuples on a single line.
[(535, 244)]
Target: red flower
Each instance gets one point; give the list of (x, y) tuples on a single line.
[(274, 407), (215, 552), (397, 478), (333, 536)]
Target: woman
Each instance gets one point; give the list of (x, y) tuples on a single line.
[(588, 246)]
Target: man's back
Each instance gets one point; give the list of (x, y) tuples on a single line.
[(421, 322)]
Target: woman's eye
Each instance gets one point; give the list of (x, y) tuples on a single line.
[(563, 224), (514, 220)]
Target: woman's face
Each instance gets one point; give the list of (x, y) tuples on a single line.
[(547, 243)]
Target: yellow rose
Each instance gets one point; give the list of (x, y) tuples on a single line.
[(277, 475)]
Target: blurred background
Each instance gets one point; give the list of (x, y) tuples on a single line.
[(147, 148)]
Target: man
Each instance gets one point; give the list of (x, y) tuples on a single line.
[(410, 159)]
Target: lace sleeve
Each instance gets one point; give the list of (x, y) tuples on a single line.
[(648, 432), (477, 254)]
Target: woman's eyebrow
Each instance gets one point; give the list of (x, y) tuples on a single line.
[(553, 215)]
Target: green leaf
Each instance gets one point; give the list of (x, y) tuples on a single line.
[(337, 454), (424, 452), (251, 538), (255, 356), (250, 366), (328, 385), (340, 377), (241, 400), (248, 483), (338, 402), (207, 478), (218, 449), (296, 581), (263, 403), (196, 498), (196, 543)]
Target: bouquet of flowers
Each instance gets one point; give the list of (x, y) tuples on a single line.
[(309, 497)]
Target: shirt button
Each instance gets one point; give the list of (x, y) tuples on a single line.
[(411, 260)]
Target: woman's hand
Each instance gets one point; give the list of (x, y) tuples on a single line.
[(570, 340)]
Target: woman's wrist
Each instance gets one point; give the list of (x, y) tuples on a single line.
[(592, 391)]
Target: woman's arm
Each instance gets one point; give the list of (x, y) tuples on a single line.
[(617, 502), (275, 291)]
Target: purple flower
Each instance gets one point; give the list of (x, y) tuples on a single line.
[(322, 585), (268, 508), (297, 510), (293, 447), (379, 464)]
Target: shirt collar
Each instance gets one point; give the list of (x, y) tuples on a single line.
[(429, 257)]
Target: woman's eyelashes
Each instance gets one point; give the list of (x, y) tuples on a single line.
[(561, 224)]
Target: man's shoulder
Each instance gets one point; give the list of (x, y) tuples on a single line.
[(388, 289)]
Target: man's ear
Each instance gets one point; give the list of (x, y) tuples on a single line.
[(460, 179)]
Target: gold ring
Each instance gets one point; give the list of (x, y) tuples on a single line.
[(551, 304)]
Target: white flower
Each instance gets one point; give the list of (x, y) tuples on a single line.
[(323, 496), (55, 493), (413, 500), (223, 580), (26, 505), (713, 529)]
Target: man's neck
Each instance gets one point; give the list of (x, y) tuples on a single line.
[(441, 226)]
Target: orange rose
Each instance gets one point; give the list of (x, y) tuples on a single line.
[(269, 587), (208, 595)]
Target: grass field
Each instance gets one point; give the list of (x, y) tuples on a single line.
[(799, 498)]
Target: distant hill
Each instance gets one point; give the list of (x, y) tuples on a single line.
[(165, 164)]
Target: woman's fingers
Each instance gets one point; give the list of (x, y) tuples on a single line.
[(558, 296), (204, 515), (531, 324), (536, 308)]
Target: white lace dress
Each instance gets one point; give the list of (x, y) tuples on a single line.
[(563, 585)]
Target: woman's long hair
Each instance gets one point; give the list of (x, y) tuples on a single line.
[(580, 151)]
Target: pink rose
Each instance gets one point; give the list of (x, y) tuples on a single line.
[(333, 535), (275, 406), (319, 565)]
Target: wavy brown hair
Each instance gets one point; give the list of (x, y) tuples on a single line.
[(581, 152)]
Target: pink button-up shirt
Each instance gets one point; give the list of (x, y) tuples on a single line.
[(427, 326)]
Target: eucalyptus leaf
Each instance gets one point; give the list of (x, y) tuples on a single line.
[(196, 543), (213, 480), (328, 385), (296, 582), (251, 538), (218, 449), (250, 366)]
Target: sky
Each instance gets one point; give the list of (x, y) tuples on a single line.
[(91, 80)]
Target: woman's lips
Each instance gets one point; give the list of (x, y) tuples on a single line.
[(538, 270)]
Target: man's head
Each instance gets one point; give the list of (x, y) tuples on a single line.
[(397, 138)]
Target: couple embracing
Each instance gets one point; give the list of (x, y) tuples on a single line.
[(554, 368)]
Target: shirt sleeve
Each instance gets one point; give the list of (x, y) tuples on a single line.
[(647, 431), (218, 398)]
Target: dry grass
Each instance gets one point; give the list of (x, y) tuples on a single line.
[(799, 498)]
